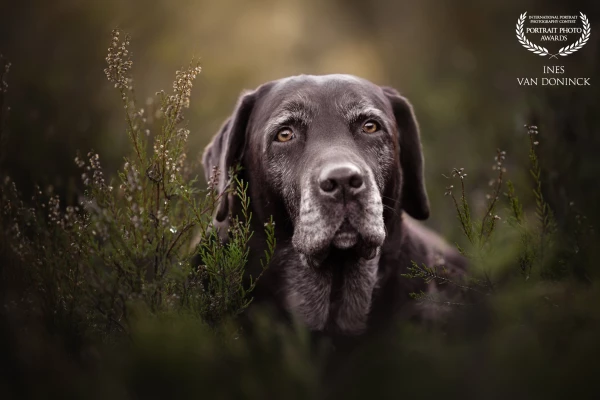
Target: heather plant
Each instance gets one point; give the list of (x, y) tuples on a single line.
[(131, 244), (536, 236), (479, 247)]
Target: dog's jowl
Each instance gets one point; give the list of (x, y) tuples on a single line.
[(337, 161)]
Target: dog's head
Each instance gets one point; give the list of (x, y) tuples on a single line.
[(336, 157)]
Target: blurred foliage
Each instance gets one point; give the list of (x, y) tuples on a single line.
[(457, 61), (148, 243)]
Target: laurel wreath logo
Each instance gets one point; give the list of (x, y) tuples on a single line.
[(542, 51)]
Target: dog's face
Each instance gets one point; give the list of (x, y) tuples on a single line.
[(330, 154)]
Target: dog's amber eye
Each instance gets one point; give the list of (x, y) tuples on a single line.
[(370, 127), (285, 135)]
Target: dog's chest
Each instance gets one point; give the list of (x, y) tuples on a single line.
[(334, 297)]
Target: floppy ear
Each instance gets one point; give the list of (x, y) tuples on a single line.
[(227, 148), (414, 194), (212, 151)]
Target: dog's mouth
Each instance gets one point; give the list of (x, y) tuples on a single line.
[(346, 236), (347, 241), (353, 227)]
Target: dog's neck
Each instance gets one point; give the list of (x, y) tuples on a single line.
[(332, 297)]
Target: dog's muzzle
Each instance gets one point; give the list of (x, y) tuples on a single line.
[(342, 183), (340, 207)]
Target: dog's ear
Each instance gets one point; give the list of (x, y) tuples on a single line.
[(414, 194), (212, 151), (227, 148)]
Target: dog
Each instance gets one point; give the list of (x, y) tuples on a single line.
[(337, 162)]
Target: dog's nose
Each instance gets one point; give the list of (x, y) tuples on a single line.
[(341, 178)]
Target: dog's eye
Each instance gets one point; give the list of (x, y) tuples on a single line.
[(370, 127), (285, 135)]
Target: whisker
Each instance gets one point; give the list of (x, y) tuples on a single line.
[(392, 199), (393, 210)]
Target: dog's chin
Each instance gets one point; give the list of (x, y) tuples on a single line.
[(345, 240), (346, 237)]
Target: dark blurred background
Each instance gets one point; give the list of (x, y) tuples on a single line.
[(457, 61)]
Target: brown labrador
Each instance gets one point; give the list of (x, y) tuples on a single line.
[(337, 161)]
